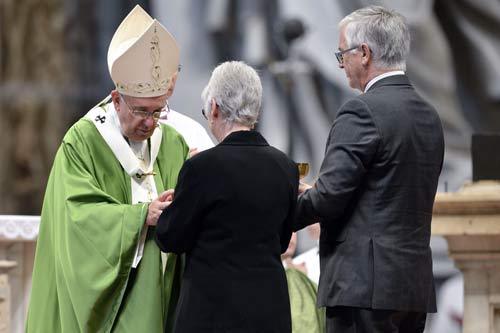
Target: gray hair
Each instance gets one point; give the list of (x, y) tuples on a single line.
[(237, 90), (385, 31)]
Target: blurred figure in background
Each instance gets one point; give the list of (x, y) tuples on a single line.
[(450, 303), (376, 187), (309, 260), (306, 316), (97, 267), (232, 214)]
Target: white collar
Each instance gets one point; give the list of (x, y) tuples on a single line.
[(107, 123), (382, 76)]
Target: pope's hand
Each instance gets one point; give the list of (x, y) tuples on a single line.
[(303, 187), (155, 209), (168, 195)]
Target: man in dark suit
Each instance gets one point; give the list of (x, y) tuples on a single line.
[(231, 231), (376, 187)]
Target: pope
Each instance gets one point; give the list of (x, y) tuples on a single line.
[(97, 267)]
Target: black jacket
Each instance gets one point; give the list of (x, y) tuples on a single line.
[(374, 198), (233, 216)]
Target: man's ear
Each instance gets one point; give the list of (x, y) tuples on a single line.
[(366, 54), (115, 97)]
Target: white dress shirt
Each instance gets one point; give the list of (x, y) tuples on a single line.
[(382, 76)]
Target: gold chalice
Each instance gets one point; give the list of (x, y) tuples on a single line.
[(303, 169)]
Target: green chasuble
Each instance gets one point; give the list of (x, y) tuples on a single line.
[(89, 231), (306, 317)]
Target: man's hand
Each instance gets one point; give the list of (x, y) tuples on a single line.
[(303, 187), (157, 206)]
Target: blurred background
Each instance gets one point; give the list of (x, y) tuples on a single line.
[(53, 70)]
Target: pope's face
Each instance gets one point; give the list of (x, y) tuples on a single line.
[(136, 114)]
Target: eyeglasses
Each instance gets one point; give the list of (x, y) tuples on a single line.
[(145, 114), (340, 54)]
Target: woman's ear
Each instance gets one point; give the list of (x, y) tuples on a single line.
[(214, 108)]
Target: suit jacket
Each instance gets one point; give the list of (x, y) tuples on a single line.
[(374, 199), (233, 216)]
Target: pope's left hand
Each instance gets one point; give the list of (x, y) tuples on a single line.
[(303, 187), (168, 195)]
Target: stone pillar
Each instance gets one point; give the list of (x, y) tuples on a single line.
[(470, 222), (17, 250), (481, 272), (5, 294)]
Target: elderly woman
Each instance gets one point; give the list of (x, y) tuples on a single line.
[(232, 215)]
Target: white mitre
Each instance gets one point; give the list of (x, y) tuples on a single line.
[(142, 56)]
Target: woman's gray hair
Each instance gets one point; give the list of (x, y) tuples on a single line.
[(385, 31), (237, 90)]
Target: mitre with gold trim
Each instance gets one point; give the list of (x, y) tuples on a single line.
[(142, 56)]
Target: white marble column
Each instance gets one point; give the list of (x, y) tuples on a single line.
[(470, 222), (17, 250)]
